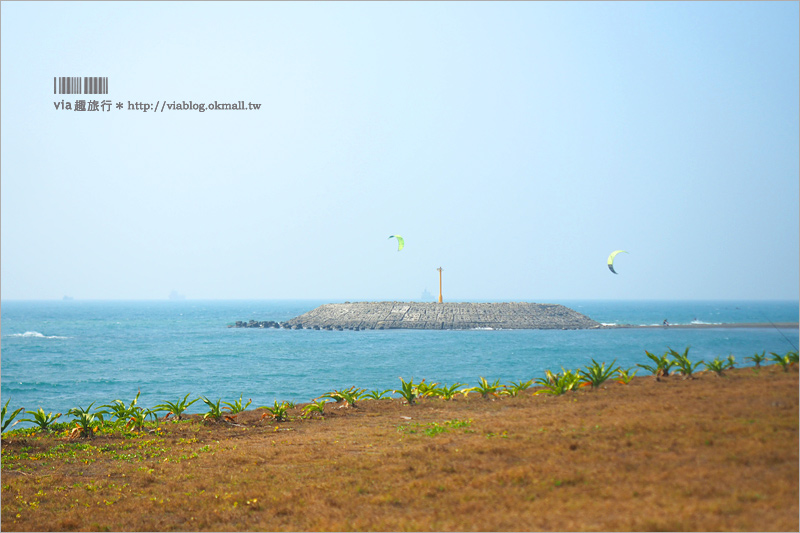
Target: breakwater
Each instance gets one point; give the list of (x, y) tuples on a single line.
[(420, 315)]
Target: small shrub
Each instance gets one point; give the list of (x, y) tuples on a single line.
[(685, 366), (558, 384), (514, 388), (377, 394), (44, 421), (426, 389), (486, 389), (350, 395), (278, 411), (214, 409), (407, 390), (717, 366), (86, 422), (175, 409), (236, 406), (6, 421), (757, 358), (119, 411), (662, 365), (782, 360), (314, 408), (446, 392), (596, 374), (625, 376)]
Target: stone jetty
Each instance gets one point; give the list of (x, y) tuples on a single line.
[(414, 315)]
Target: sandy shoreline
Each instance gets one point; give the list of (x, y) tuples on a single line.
[(787, 325)]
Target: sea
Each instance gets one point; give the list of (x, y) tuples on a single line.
[(63, 354)]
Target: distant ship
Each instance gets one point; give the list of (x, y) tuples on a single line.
[(427, 296), (67, 298), (175, 295)]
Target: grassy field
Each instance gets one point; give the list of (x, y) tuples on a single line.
[(710, 454)]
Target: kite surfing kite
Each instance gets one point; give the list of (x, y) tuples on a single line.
[(611, 259), (400, 242)]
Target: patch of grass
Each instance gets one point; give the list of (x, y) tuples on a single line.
[(433, 428), (455, 466)]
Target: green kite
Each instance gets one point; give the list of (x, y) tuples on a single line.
[(400, 242), (611, 259)]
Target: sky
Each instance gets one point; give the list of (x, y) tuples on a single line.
[(515, 145)]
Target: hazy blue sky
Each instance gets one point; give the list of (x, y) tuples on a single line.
[(513, 144)]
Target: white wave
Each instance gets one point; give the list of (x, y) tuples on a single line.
[(608, 323), (36, 334), (482, 329), (707, 323)]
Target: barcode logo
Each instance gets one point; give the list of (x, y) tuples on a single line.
[(78, 85)]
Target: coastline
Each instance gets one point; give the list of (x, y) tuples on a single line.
[(717, 454), (779, 325)]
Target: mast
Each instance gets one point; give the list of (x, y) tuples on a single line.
[(440, 284)]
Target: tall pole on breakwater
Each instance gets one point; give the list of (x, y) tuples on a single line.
[(440, 284)]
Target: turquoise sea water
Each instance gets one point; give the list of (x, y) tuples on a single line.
[(62, 354)]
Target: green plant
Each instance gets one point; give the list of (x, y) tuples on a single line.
[(596, 374), (662, 365), (119, 411), (560, 383), (447, 392), (792, 357), (314, 408), (350, 395), (782, 360), (685, 366), (625, 376), (513, 388), (6, 421), (730, 362), (426, 389), (717, 366), (138, 418), (486, 388), (757, 358), (214, 409), (236, 406), (377, 394), (278, 411), (87, 422), (44, 421), (175, 409), (407, 391)]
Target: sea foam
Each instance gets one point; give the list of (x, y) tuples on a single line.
[(36, 334)]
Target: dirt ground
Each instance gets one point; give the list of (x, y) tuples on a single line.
[(706, 454)]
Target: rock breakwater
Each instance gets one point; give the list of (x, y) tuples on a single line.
[(414, 315)]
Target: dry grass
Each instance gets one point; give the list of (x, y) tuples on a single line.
[(713, 454)]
